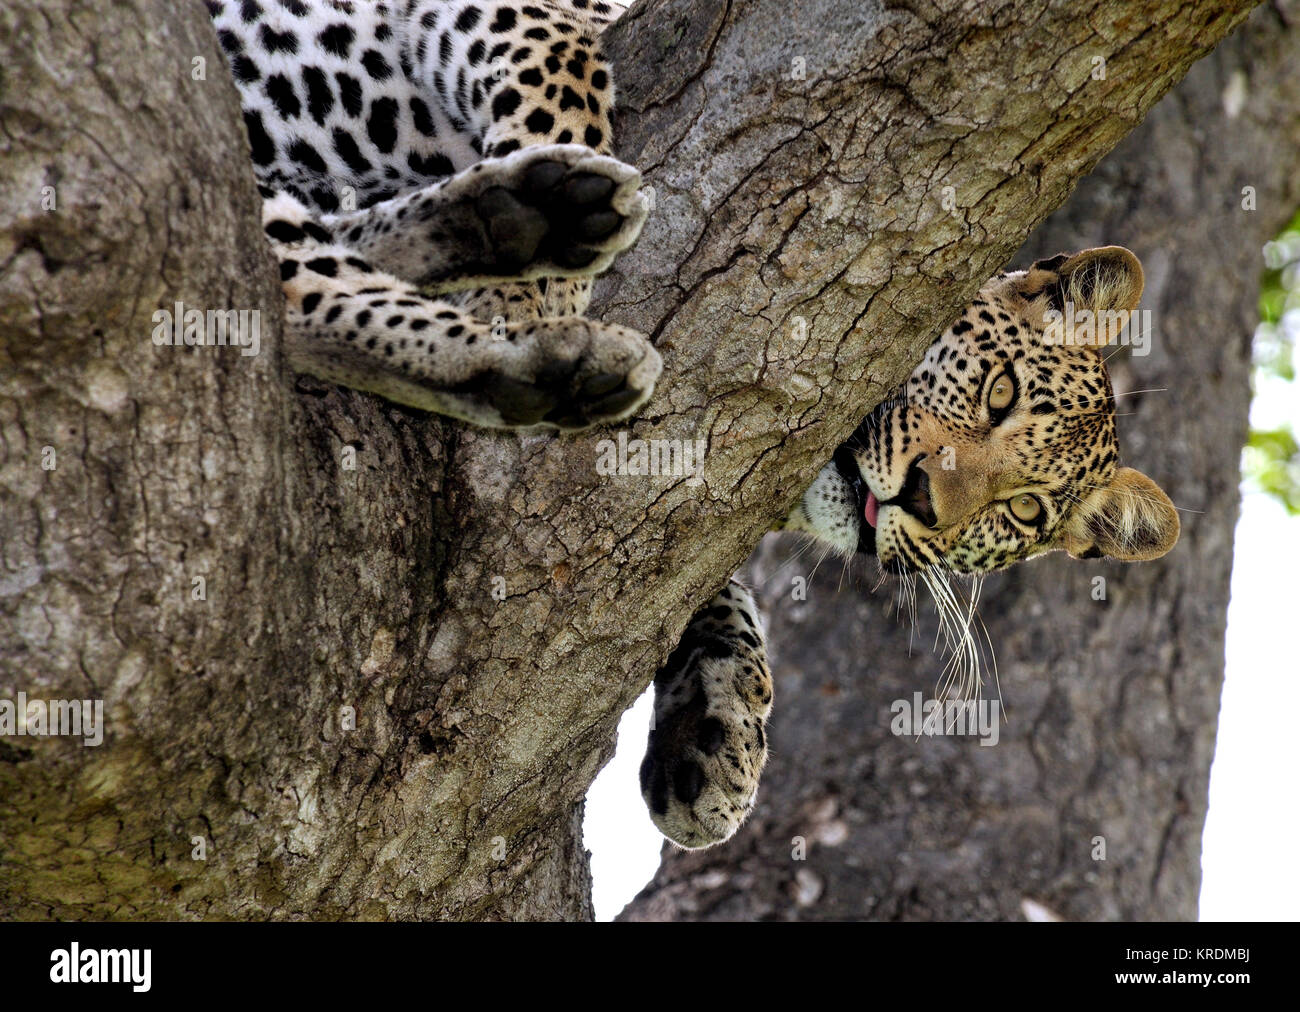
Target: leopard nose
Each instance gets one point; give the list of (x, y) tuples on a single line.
[(914, 497)]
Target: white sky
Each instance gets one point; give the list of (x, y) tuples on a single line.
[(1249, 857), (1249, 865), (624, 843)]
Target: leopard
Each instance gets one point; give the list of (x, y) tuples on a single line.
[(439, 191), (998, 448)]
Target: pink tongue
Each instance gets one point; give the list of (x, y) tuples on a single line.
[(870, 509)]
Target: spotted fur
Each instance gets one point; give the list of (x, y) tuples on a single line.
[(439, 193)]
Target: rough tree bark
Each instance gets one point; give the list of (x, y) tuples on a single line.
[(1113, 704), (799, 154)]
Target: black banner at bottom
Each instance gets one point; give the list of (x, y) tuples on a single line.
[(133, 961)]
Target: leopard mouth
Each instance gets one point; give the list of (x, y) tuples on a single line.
[(866, 507)]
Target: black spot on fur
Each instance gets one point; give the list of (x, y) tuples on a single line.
[(284, 231), (710, 736), (282, 96), (539, 121), (382, 124), (347, 149), (376, 65), (506, 101), (422, 118), (349, 93), (337, 39), (245, 70), (263, 146), (435, 165), (307, 156), (320, 99), (654, 786), (468, 18), (688, 781), (278, 42)]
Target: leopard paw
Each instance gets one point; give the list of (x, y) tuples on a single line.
[(708, 746), (571, 373), (558, 211)]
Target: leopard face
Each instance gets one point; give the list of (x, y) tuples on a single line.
[(1001, 444)]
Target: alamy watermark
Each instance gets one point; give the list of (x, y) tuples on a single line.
[(215, 328), (918, 716), (70, 718), (75, 965), (676, 458), (1099, 329)]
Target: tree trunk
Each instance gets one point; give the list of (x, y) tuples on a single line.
[(1112, 704), (358, 662)]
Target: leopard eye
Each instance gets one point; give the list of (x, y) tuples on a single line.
[(1001, 393), (1025, 508)]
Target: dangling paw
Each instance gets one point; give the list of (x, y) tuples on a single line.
[(708, 744)]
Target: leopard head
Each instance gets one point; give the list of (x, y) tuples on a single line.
[(1001, 444)]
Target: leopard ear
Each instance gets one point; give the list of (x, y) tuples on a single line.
[(1052, 264), (1104, 279), (1130, 519)]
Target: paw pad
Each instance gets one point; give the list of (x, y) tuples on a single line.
[(564, 209)]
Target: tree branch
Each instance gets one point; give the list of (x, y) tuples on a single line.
[(1110, 674), (482, 721)]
